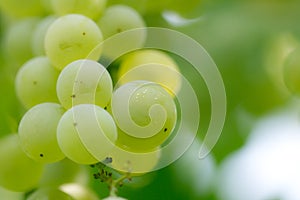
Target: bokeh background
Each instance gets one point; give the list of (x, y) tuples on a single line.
[(257, 155)]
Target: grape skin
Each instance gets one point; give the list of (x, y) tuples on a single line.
[(17, 171), (151, 65), (37, 131), (146, 128), (36, 82), (72, 37), (86, 133), (84, 82)]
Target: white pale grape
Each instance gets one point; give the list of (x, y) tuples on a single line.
[(79, 192), (84, 82), (145, 114), (37, 131), (17, 40), (17, 171), (38, 36), (36, 82), (67, 171), (72, 37), (152, 65), (121, 19), (49, 193), (90, 8), (135, 163), (86, 133)]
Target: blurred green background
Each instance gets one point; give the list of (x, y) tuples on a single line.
[(248, 40)]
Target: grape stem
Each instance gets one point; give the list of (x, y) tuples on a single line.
[(115, 183)]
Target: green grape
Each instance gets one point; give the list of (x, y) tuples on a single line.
[(79, 192), (67, 171), (126, 161), (38, 36), (291, 72), (37, 131), (7, 194), (49, 193), (17, 171), (17, 42), (90, 8), (84, 82), (152, 65), (86, 133), (21, 9), (36, 82), (120, 19), (145, 114), (72, 37)]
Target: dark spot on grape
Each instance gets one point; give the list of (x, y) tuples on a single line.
[(165, 130), (105, 108), (34, 82), (73, 96), (75, 124), (83, 33), (119, 30), (41, 155)]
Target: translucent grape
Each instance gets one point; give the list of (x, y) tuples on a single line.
[(90, 8), (49, 193), (37, 131), (145, 114), (67, 171), (151, 65), (79, 192), (7, 194), (17, 171), (119, 19), (17, 42), (86, 133), (126, 161), (20, 9), (72, 37), (36, 82), (291, 71), (38, 36), (84, 82)]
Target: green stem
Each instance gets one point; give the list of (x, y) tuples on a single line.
[(115, 184)]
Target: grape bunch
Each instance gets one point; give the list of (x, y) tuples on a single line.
[(75, 108)]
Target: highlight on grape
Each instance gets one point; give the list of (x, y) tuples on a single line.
[(100, 88)]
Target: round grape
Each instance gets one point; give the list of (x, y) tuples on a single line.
[(135, 163), (36, 82), (152, 65), (37, 131), (90, 8), (120, 19), (86, 133), (49, 193), (145, 114), (17, 171), (18, 39), (84, 82), (72, 37), (38, 36)]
